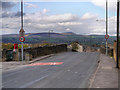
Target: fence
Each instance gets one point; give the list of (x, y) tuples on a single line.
[(114, 51)]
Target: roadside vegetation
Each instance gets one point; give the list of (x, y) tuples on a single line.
[(11, 45)]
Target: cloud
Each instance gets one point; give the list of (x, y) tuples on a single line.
[(62, 17), (112, 4), (29, 5), (40, 22), (45, 11), (69, 23), (6, 14), (67, 29), (7, 5), (88, 16)]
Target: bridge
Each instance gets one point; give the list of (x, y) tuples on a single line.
[(74, 72)]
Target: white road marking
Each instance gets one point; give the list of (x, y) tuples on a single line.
[(68, 70), (29, 84), (17, 77), (76, 72)]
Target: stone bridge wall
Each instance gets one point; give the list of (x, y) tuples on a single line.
[(30, 53), (98, 49)]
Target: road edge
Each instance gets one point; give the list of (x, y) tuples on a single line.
[(91, 81)]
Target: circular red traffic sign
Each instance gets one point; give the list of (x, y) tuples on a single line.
[(22, 39), (106, 36)]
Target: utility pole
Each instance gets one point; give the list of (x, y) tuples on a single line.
[(117, 55), (106, 27)]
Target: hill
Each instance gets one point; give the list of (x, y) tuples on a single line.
[(66, 37), (68, 33), (46, 34)]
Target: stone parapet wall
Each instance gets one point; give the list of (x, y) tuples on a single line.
[(30, 53)]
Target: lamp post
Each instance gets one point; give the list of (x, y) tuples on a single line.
[(106, 27), (117, 51), (49, 34)]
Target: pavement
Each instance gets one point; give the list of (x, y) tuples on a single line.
[(106, 75), (73, 71), (6, 66)]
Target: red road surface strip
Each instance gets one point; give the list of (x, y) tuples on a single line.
[(47, 63)]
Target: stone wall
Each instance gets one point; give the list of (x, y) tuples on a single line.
[(98, 49), (79, 47), (90, 49), (30, 53)]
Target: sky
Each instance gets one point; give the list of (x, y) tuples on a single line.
[(77, 17)]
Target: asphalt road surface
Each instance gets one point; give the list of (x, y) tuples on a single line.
[(74, 71)]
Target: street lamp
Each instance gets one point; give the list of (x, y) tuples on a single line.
[(49, 34), (100, 20), (106, 27)]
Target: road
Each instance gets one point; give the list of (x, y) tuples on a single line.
[(74, 72)]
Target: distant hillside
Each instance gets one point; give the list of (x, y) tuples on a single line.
[(37, 35), (66, 37), (68, 33), (10, 35), (44, 35)]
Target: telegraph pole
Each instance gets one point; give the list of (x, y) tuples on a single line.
[(117, 55), (106, 27)]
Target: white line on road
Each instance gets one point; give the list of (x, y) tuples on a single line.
[(29, 84), (17, 77)]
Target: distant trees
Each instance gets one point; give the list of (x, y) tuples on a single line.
[(7, 46), (11, 46)]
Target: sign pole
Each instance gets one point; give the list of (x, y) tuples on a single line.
[(22, 14), (106, 28), (22, 50), (22, 26)]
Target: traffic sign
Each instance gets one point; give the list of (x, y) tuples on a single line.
[(106, 36), (21, 32), (22, 39), (15, 46)]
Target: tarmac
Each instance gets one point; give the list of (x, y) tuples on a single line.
[(74, 72), (6, 66), (106, 75)]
